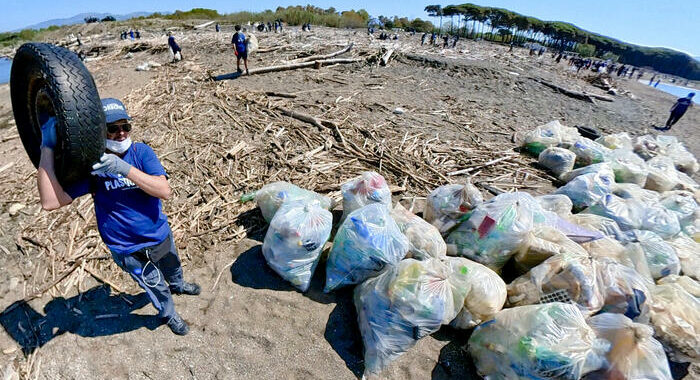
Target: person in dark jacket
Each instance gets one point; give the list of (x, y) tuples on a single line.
[(678, 110), (174, 47)]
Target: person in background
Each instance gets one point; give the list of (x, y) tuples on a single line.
[(174, 48), (217, 27), (138, 34), (127, 186), (651, 81), (678, 110), (240, 49), (422, 38), (657, 82), (131, 34)]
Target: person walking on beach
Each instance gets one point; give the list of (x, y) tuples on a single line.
[(174, 48), (422, 39), (217, 27), (127, 186), (240, 49), (651, 81), (678, 110)]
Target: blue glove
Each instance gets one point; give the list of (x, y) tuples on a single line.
[(111, 164), (48, 133)]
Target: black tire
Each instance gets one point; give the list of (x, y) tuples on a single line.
[(47, 80), (588, 132)]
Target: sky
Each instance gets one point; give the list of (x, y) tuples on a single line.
[(667, 23)]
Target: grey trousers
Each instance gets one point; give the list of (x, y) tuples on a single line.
[(154, 278)]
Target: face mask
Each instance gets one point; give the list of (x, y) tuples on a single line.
[(118, 146)]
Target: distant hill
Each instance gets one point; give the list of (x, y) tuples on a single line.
[(80, 18)]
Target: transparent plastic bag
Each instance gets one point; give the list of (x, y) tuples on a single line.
[(646, 147), (484, 296), (368, 188), (403, 304), (663, 176), (661, 220), (557, 160), (634, 353), (682, 203), (633, 191), (602, 224), (544, 242), (423, 238), (688, 284), (548, 135), (366, 242), (447, 204), (675, 316), (496, 229), (628, 167), (589, 152), (295, 239), (678, 153), (602, 168), (271, 196), (587, 189), (550, 341), (559, 204), (628, 213), (624, 290), (616, 141), (661, 256), (688, 252), (563, 277)]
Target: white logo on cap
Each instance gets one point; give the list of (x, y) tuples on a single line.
[(113, 106)]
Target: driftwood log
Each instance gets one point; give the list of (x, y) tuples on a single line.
[(324, 56), (293, 66), (386, 57), (574, 94)]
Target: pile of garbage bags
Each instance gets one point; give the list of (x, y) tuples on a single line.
[(597, 278)]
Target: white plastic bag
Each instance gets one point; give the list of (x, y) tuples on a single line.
[(366, 242), (682, 203), (447, 204), (599, 223), (550, 341), (688, 284), (675, 315), (616, 141), (368, 188), (628, 213), (252, 43), (559, 204), (295, 239), (634, 353), (624, 290), (628, 167), (557, 160), (688, 252), (548, 135), (485, 292), (403, 304), (602, 168), (589, 152), (271, 196), (633, 191), (661, 256), (587, 189), (423, 238), (544, 242), (496, 229)]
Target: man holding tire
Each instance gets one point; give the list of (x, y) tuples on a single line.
[(127, 186)]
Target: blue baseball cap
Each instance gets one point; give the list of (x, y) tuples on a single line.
[(114, 110)]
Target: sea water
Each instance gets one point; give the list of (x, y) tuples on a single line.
[(678, 91), (5, 65)]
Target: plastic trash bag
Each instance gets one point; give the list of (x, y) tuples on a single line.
[(587, 189), (688, 252), (484, 296), (424, 240), (616, 141), (661, 256), (561, 278), (676, 151), (366, 242), (602, 224), (602, 168), (646, 147), (628, 167), (369, 187), (573, 231), (557, 160), (633, 191), (628, 213), (550, 341), (559, 204), (271, 196), (675, 316), (252, 43), (295, 239), (624, 290), (495, 230), (688, 284), (663, 176), (403, 304), (682, 203), (447, 204), (634, 353), (589, 152), (544, 242), (548, 135)]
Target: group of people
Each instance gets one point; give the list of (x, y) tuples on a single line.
[(277, 26), (130, 34), (447, 40), (306, 27)]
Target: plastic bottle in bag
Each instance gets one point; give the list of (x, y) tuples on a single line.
[(676, 151), (688, 252), (557, 160), (403, 304), (602, 168), (271, 196), (663, 175), (661, 257), (550, 341), (295, 239), (423, 238), (367, 241), (646, 147), (368, 188), (447, 204), (675, 316), (599, 223), (544, 242), (587, 189), (628, 167), (625, 291), (682, 203), (616, 141), (634, 353), (589, 152), (485, 292), (628, 213), (548, 135), (559, 204), (633, 191), (496, 229)]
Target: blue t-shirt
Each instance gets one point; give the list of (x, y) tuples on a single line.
[(239, 40), (128, 219)]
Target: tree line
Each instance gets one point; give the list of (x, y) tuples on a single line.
[(507, 26)]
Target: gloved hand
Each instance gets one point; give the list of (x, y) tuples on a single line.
[(111, 164), (48, 133)]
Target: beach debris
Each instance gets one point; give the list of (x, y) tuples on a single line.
[(271, 197), (368, 188), (424, 239), (447, 204)]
